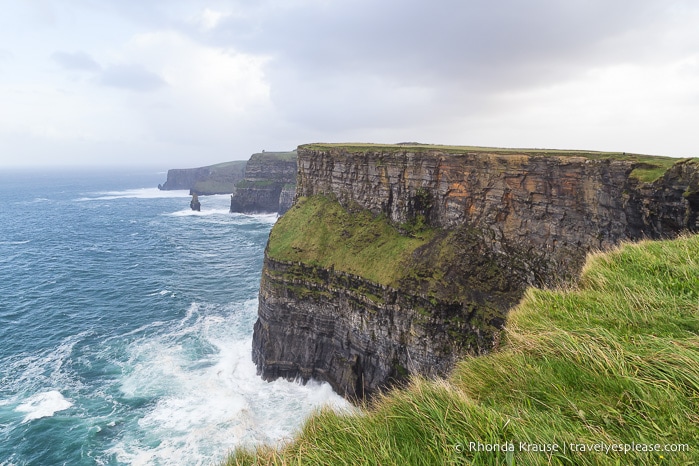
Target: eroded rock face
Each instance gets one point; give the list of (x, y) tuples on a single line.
[(269, 176), (520, 219), (252, 198), (213, 179), (560, 206), (183, 178), (286, 197), (344, 330), (360, 336)]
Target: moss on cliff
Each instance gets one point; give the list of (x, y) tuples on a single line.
[(456, 265), (614, 361), (318, 231), (648, 171)]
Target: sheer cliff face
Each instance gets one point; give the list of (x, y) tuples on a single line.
[(269, 176), (501, 222), (184, 178), (213, 179), (559, 206)]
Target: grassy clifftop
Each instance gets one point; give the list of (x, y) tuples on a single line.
[(288, 156), (319, 231), (442, 264), (648, 169), (222, 178), (612, 364)]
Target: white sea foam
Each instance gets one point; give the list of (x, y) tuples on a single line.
[(243, 219), (8, 462), (43, 404), (219, 205), (202, 213), (37, 371), (136, 331), (162, 293), (209, 397), (191, 310), (141, 193)]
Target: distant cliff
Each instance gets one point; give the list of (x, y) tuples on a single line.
[(402, 259), (214, 179), (269, 184)]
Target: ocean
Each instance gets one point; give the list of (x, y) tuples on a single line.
[(126, 325)]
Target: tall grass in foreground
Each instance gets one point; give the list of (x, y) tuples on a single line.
[(613, 361)]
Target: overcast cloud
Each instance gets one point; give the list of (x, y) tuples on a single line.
[(188, 83)]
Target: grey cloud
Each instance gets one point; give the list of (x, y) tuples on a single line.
[(80, 61), (131, 77), (469, 42), (462, 52)]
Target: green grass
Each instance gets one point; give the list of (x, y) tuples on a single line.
[(213, 187), (649, 169), (319, 231), (270, 156), (222, 178), (235, 165), (613, 360)]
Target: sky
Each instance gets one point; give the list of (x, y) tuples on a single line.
[(178, 84)]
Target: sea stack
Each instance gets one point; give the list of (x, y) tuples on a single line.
[(194, 203)]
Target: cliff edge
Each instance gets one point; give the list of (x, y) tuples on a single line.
[(213, 179), (268, 185), (402, 259)]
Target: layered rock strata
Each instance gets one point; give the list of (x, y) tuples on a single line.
[(499, 221), (269, 177)]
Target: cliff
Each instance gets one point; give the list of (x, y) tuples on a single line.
[(402, 259), (609, 361), (214, 179), (268, 185)]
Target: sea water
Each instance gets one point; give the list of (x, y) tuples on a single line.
[(126, 325)]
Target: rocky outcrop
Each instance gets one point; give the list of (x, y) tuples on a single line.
[(286, 197), (360, 336), (194, 204), (268, 177), (497, 222), (355, 334), (214, 179)]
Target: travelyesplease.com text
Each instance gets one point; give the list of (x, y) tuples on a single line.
[(566, 447)]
